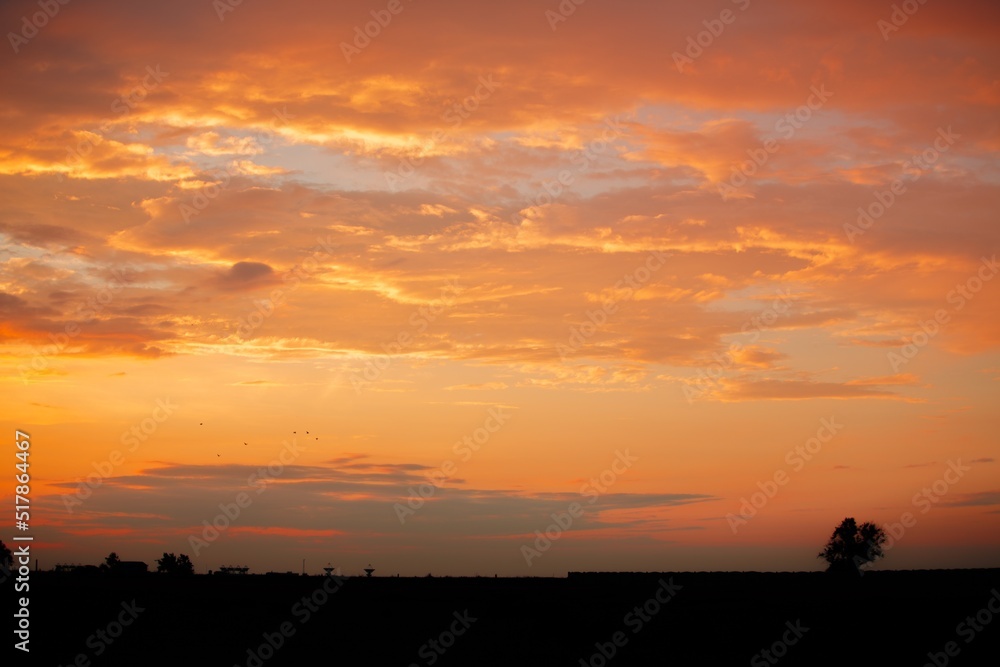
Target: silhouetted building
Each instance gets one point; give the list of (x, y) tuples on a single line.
[(132, 567), (65, 568)]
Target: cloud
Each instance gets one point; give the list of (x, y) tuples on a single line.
[(247, 275), (481, 386), (211, 143), (277, 207), (979, 499), (348, 495), (745, 388)]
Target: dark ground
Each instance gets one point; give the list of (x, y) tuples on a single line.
[(882, 618)]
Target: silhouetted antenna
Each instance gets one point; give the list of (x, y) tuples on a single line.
[(369, 570), (329, 570)]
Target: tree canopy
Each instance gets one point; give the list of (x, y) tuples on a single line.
[(171, 564), (852, 546)]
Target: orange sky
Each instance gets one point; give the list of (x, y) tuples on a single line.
[(498, 250)]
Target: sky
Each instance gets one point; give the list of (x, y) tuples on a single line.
[(512, 288)]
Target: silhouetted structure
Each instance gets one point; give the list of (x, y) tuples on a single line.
[(73, 568), (852, 546), (171, 564), (6, 559), (234, 569), (720, 618), (132, 567)]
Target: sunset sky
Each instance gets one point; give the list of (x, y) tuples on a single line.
[(647, 257)]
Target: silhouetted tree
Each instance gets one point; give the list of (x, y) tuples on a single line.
[(6, 559), (184, 565), (851, 546), (112, 562), (171, 564), (167, 564)]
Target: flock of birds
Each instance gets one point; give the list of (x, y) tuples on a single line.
[(245, 444)]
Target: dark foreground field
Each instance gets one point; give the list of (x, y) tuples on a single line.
[(883, 618)]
